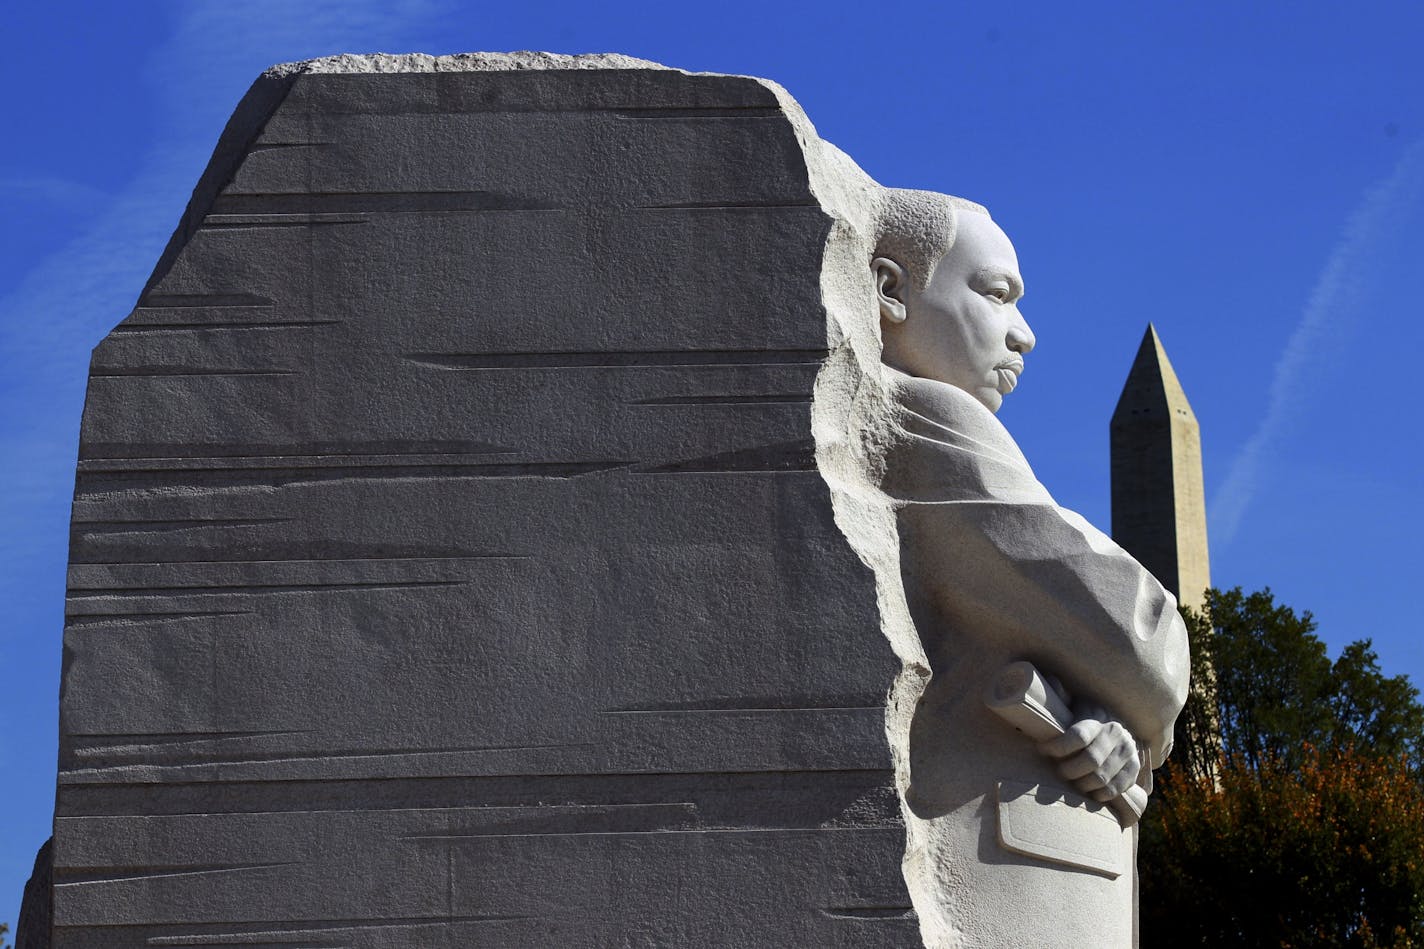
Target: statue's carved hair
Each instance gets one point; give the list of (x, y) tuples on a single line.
[(916, 228)]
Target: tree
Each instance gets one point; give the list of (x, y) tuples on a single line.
[(1263, 688), (1374, 712), (1292, 813), (1328, 851)]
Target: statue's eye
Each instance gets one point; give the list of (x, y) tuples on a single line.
[(999, 293)]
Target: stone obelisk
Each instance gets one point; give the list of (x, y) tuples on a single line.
[(1158, 504)]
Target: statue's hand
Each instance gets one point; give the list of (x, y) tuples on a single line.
[(1097, 754)]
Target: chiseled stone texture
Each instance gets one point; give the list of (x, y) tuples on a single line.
[(450, 564)]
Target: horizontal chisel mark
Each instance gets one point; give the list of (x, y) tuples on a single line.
[(83, 620), (637, 358), (163, 526), (373, 449), (568, 820), (199, 462), (265, 942), (221, 751), (313, 927), (674, 112), (172, 301), (870, 912), (799, 455), (271, 146), (239, 562), (791, 701), (233, 758), (83, 558), (727, 206), (775, 798), (152, 372), (183, 737), (91, 483), (679, 831), (754, 709), (789, 398), (308, 202), (150, 746), (525, 810), (258, 222), (251, 589), (82, 876), (134, 329)]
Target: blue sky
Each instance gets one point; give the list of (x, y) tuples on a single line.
[(1250, 177)]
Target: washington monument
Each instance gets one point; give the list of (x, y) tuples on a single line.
[(1158, 505)]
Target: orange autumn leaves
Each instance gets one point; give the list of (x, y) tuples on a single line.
[(1292, 811), (1325, 852)]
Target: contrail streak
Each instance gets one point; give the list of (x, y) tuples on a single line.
[(1379, 214)]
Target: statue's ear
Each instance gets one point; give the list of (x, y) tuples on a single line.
[(890, 283)]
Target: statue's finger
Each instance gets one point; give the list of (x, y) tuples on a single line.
[(1125, 778), (1103, 757), (1078, 736), (1086, 767), (1083, 774)]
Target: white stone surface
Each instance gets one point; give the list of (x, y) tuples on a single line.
[(978, 568)]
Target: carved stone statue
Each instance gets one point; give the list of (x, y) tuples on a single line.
[(1027, 614), (580, 628)]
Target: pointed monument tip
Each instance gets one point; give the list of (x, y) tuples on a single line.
[(1151, 381), (1150, 354)]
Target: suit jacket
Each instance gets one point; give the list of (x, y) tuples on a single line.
[(995, 570)]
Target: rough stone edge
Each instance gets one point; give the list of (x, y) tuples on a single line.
[(852, 426), (459, 62), (35, 927)]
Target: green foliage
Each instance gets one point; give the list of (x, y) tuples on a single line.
[(1372, 711), (1292, 813), (1264, 688)]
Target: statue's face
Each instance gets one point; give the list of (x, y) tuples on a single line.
[(965, 328)]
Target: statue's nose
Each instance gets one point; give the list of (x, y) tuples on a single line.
[(1021, 339)]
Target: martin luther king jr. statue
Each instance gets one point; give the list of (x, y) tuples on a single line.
[(1056, 663)]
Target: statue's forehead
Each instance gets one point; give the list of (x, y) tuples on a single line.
[(982, 244)]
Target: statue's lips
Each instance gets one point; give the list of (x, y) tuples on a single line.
[(1008, 372)]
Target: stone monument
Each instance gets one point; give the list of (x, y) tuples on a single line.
[(1025, 613), (495, 526), (1158, 502)]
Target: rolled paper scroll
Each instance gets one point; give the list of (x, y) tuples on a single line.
[(1022, 697)]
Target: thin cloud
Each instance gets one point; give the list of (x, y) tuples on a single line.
[(1377, 217), (55, 192)]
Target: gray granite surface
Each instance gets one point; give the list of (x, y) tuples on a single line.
[(450, 566)]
